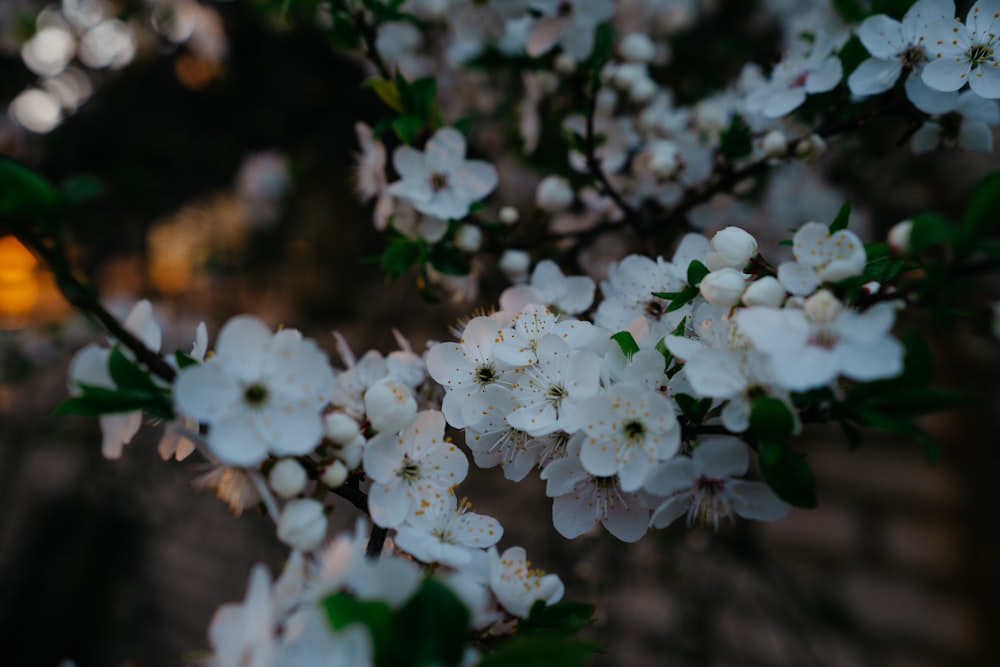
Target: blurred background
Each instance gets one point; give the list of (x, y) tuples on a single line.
[(220, 143)]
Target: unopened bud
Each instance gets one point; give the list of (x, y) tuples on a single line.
[(553, 194), (564, 64), (515, 265), (509, 215), (352, 452), (335, 474), (287, 478), (823, 307), (637, 47), (810, 148), (468, 238), (642, 90), (723, 288), (731, 247), (774, 143), (340, 428), (389, 405), (899, 237), (302, 524), (766, 291)]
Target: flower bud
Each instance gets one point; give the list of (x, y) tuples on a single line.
[(625, 75), (766, 291), (287, 478), (637, 47), (731, 247), (509, 215), (564, 64), (553, 194), (302, 524), (774, 143), (810, 148), (468, 238), (340, 428), (389, 405), (899, 237), (723, 287), (642, 90), (607, 99), (352, 452), (335, 474), (822, 307), (515, 265)]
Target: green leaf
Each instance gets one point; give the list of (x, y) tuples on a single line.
[(387, 91), (982, 215), (696, 272), (184, 360), (787, 473), (668, 356), (399, 257), (433, 627), (562, 619), (449, 260), (626, 342), (423, 96), (852, 54), (94, 401), (736, 141), (23, 192), (127, 374), (342, 610), (852, 11), (901, 426), (917, 401), (843, 215), (929, 229), (771, 418), (407, 128), (693, 410), (540, 652)]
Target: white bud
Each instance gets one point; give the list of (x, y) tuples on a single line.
[(626, 75), (766, 291), (302, 524), (335, 474), (553, 194), (723, 287), (468, 238), (731, 247), (389, 405), (515, 265), (607, 99), (662, 158), (287, 478), (810, 148), (643, 90), (637, 47), (509, 215), (352, 452), (564, 64), (899, 237), (822, 307), (340, 428), (774, 143)]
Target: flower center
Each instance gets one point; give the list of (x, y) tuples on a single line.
[(824, 338), (410, 470), (912, 56), (439, 181), (800, 80), (255, 395), (634, 430), (655, 309), (555, 394), (979, 54), (565, 8), (485, 375)]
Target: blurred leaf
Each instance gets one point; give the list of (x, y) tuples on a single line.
[(407, 128), (626, 342), (387, 91), (127, 374), (399, 256), (423, 97), (735, 141), (562, 619), (694, 410), (342, 610), (916, 401), (82, 188), (95, 401), (696, 272), (23, 192), (787, 473), (184, 360), (540, 652), (843, 215), (852, 11), (901, 426), (982, 215), (449, 260), (432, 627), (929, 229), (771, 418)]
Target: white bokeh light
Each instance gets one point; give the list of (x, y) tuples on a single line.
[(49, 50), (110, 43), (36, 110)]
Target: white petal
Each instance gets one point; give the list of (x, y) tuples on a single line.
[(755, 500), (573, 514), (236, 442), (825, 77), (722, 456), (445, 151), (925, 139), (874, 76), (627, 522), (409, 164), (985, 80), (946, 73), (882, 36), (671, 510), (475, 179), (928, 99), (976, 137)]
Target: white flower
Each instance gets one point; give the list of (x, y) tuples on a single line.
[(701, 487), (551, 288), (413, 470), (439, 181), (967, 123), (628, 292), (895, 46), (447, 534), (629, 429), (809, 348), (302, 524), (90, 367), (242, 635), (569, 23), (811, 69), (517, 585), (821, 257), (260, 393), (966, 52)]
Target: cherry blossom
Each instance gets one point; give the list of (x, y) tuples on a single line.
[(821, 257), (966, 52)]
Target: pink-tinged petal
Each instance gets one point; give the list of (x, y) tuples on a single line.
[(543, 36), (671, 510), (721, 456), (976, 137), (627, 522), (389, 504), (140, 322), (755, 500), (574, 514), (409, 164), (239, 345), (985, 80), (236, 442), (825, 77), (882, 36), (207, 393), (291, 429), (925, 139), (676, 475), (445, 151), (946, 73), (874, 76), (926, 98), (117, 430), (475, 179)]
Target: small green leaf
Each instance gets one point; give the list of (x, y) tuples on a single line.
[(449, 260), (736, 141), (407, 128), (342, 609), (432, 627), (626, 342), (23, 192), (694, 410), (540, 652), (668, 356), (399, 257), (127, 374), (696, 272), (982, 215), (387, 91), (562, 619), (929, 229), (851, 11), (184, 360), (843, 215), (423, 95), (894, 424), (787, 473), (771, 418)]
